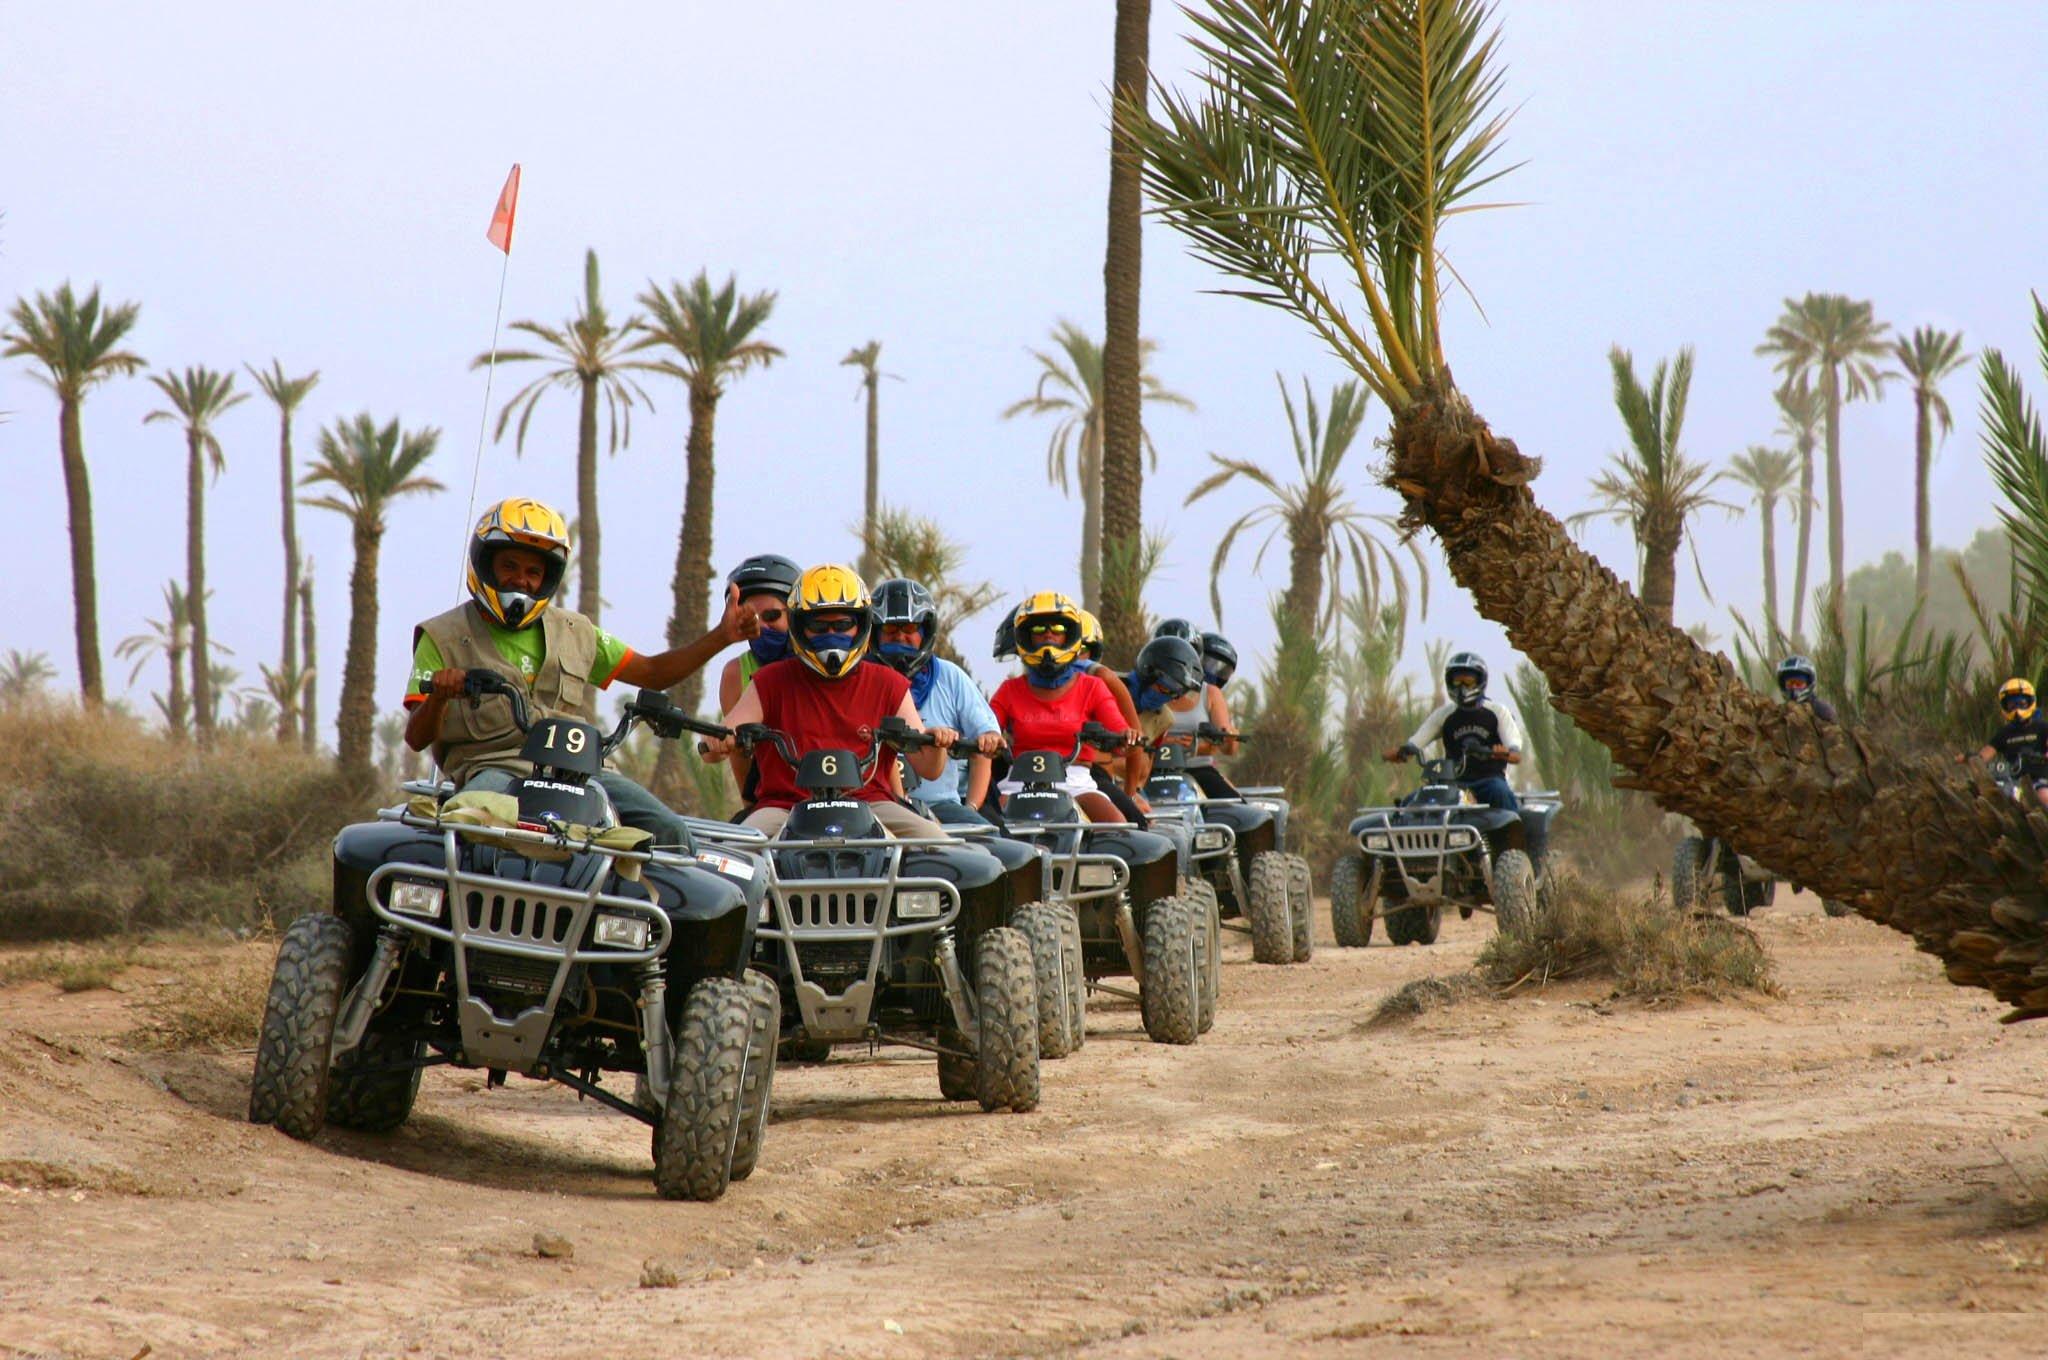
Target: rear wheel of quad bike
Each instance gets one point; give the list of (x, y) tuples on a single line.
[(1414, 925), (1688, 868), (1301, 897), (758, 1088), (1006, 1018), (1514, 894), (374, 1102), (1271, 908), (1041, 924), (1077, 974), (1171, 997), (700, 1125), (294, 1050), (1834, 908), (1201, 899), (1351, 916)]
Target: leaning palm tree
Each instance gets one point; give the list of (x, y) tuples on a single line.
[(1801, 413), (1836, 344), (1652, 486), (1770, 476), (78, 346), (198, 397), (1070, 387), (1926, 358), (1327, 146), (287, 394), (865, 358), (589, 354), (369, 466), (1124, 446), (711, 336), (1321, 524)]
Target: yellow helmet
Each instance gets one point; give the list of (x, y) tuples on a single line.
[(831, 589), (517, 523), (1091, 635), (2016, 698), (1058, 619)]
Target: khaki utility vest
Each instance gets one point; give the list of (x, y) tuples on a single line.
[(485, 737)]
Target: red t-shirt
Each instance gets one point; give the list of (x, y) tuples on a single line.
[(817, 714), (1040, 720)]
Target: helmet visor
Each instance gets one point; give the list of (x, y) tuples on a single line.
[(2016, 703)]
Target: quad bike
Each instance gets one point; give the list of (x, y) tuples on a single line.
[(1123, 885), (1707, 871), (547, 942), (1238, 859), (872, 938), (1436, 847)]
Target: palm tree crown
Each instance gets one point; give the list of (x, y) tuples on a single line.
[(198, 397), (370, 467), (75, 342), (589, 349), (708, 332)]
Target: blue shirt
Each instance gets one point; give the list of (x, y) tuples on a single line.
[(956, 702)]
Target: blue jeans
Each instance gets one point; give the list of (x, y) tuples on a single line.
[(1495, 792), (953, 812)]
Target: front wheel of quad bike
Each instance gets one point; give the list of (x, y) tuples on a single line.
[(1042, 925), (1514, 894), (1171, 997), (1414, 925), (1077, 975), (758, 1088), (1006, 1016), (1272, 907), (1351, 916), (295, 1047), (701, 1123), (1201, 898), (1688, 868), (1834, 908), (373, 1101), (1301, 897)]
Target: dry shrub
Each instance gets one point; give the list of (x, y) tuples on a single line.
[(72, 970), (1424, 995), (215, 1005), (1651, 951), (113, 828)]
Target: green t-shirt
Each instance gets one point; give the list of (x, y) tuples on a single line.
[(525, 648)]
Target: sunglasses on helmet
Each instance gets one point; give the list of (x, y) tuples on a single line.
[(1047, 632), (817, 625)]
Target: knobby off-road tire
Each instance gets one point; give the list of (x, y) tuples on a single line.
[(374, 1102), (1171, 999), (1006, 1014), (700, 1126), (956, 1075), (1688, 870), (1040, 924), (758, 1090), (1351, 916), (1414, 925), (1077, 975), (1301, 897), (1271, 908), (1200, 895), (294, 1050), (1514, 894)]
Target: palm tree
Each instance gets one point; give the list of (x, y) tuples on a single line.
[(198, 396), (1653, 487), (22, 677), (309, 671), (1320, 522), (711, 336), (917, 548), (1770, 475), (1801, 413), (1124, 445), (287, 394), (1836, 343), (1926, 358), (169, 637), (865, 357), (1344, 233), (78, 346), (369, 467), (586, 354), (1070, 387)]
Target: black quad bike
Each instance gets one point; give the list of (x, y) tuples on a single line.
[(872, 938), (1240, 859), (1707, 872), (1435, 848), (1123, 886), (557, 948)]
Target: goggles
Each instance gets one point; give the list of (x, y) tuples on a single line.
[(818, 625), (2013, 703)]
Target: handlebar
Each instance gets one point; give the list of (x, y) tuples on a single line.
[(893, 731), (650, 706)]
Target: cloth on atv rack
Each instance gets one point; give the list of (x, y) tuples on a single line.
[(501, 811)]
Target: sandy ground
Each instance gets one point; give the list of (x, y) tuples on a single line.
[(1853, 1169)]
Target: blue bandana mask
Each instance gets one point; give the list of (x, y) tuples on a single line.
[(1053, 679), (1147, 697), (902, 654), (771, 644), (1219, 681), (824, 644)]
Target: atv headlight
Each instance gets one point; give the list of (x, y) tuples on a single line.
[(1378, 840), (1094, 875), (621, 931), (1460, 838), (416, 899), (920, 904), (1209, 840)]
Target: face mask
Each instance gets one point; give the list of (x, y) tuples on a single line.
[(772, 644), (831, 648), (1467, 694), (1145, 697), (515, 604), (899, 654), (1051, 676), (1217, 678)]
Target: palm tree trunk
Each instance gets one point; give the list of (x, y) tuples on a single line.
[(872, 502), (85, 611), (1770, 513), (692, 585), (288, 708), (1303, 601), (1090, 471), (195, 585), (1912, 842), (1923, 462), (588, 601), (357, 716), (1836, 605), (175, 652), (1660, 572), (1805, 539), (1122, 270), (309, 705)]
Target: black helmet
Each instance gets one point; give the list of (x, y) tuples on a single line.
[(1006, 635), (1171, 663), (1465, 663), (1219, 659), (1799, 668), (901, 601), (765, 574), (1179, 628)]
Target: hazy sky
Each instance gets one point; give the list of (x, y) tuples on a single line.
[(313, 183)]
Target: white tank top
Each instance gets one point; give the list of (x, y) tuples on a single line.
[(1185, 725)]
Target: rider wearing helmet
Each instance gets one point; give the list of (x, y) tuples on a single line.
[(518, 554), (1219, 664), (822, 697), (1108, 772), (762, 584), (1179, 628), (1169, 671), (1044, 708), (1796, 677), (952, 706), (1466, 718), (2022, 741)]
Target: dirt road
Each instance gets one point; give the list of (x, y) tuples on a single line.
[(1852, 1169)]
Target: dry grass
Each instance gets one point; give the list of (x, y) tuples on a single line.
[(216, 1005), (72, 970), (1424, 995)]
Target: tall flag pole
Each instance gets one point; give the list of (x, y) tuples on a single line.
[(498, 234)]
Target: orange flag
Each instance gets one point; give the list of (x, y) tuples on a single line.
[(500, 234)]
